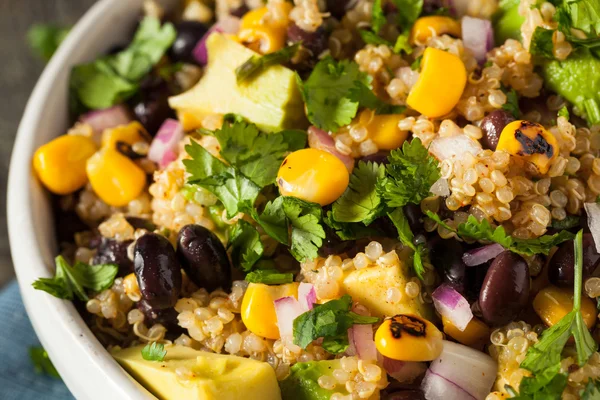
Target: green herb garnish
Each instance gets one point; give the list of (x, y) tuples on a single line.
[(408, 12), (154, 352), (564, 112), (512, 102), (246, 247), (257, 64), (41, 362), (541, 43), (270, 277), (71, 281), (570, 221), (407, 238), (331, 322), (416, 65), (378, 17), (45, 39), (362, 94), (591, 390)]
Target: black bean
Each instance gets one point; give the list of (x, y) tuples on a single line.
[(446, 254), (67, 225), (381, 157), (406, 395), (492, 126), (166, 317), (111, 251), (414, 215), (505, 290), (151, 106), (140, 223), (157, 270), (203, 258), (338, 8), (561, 270), (189, 34), (315, 42)]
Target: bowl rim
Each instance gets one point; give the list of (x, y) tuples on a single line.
[(58, 325)]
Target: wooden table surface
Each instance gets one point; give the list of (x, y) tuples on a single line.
[(19, 70)]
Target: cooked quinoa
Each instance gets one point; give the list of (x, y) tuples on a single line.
[(376, 199)]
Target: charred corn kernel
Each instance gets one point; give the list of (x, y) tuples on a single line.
[(383, 129), (531, 142), (189, 121), (131, 133), (313, 175), (115, 178), (60, 164), (258, 307), (262, 34), (553, 303), (441, 83), (409, 338), (475, 334), (433, 25), (131, 288)]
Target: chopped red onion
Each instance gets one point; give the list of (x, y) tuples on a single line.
[(164, 146), (452, 305), (459, 373), (361, 337), (404, 371), (228, 24), (307, 296), (481, 255), (287, 310), (456, 146), (593, 220), (478, 36), (319, 139), (107, 118)]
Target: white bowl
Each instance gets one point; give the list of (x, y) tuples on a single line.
[(85, 366)]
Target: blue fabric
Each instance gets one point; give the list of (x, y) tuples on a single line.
[(18, 380)]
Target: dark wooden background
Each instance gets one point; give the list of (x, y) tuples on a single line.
[(19, 70)]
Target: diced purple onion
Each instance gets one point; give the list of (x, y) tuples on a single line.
[(307, 296), (459, 373), (361, 338), (404, 371), (107, 118), (482, 255), (593, 220), (165, 145), (478, 36), (452, 305), (228, 24), (319, 139), (287, 310)]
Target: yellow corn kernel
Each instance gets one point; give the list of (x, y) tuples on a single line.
[(441, 83), (313, 175), (530, 142), (383, 129), (258, 307), (475, 334), (433, 25), (553, 303), (131, 133), (189, 121), (60, 164), (261, 34), (409, 338), (115, 178), (131, 288)]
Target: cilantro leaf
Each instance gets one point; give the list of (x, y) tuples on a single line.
[(236, 191), (411, 173), (349, 230), (115, 78), (246, 247), (274, 221), (362, 94), (407, 238), (570, 221), (154, 352), (326, 92), (361, 202), (70, 281), (512, 102), (564, 112), (307, 233), (416, 65), (269, 277), (403, 44), (372, 38), (45, 39), (257, 64), (541, 43), (408, 12), (41, 362), (330, 321), (378, 17), (257, 155), (584, 15), (591, 390)]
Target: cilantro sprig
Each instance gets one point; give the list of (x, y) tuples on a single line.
[(363, 95), (154, 352), (406, 236), (257, 64), (72, 281), (331, 322), (269, 277), (483, 230), (512, 102), (543, 359)]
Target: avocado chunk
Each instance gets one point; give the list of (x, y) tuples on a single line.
[(577, 79), (302, 383), (271, 100), (215, 376), (507, 21), (369, 286)]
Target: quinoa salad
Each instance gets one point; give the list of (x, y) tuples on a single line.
[(338, 199)]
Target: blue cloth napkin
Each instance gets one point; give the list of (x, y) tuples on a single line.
[(18, 380)]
